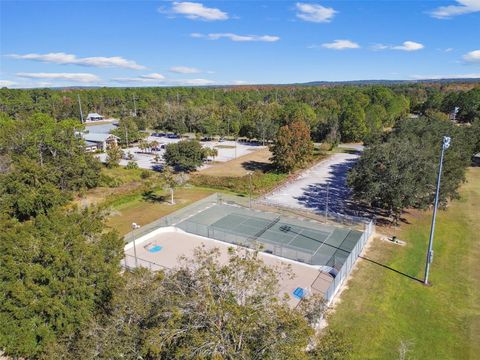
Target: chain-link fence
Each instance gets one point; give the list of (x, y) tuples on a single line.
[(349, 263), (173, 218)]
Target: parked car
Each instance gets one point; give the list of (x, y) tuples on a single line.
[(173, 136)]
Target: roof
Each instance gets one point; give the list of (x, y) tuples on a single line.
[(97, 137), (90, 115), (100, 129)]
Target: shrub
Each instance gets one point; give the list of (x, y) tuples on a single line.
[(131, 165)]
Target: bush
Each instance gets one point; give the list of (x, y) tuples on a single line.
[(261, 182), (109, 181), (145, 174), (131, 165)]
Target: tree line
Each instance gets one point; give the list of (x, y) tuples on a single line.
[(333, 114)]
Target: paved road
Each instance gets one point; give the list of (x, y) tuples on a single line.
[(325, 180)]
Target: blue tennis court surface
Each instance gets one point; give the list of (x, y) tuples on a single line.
[(291, 238)]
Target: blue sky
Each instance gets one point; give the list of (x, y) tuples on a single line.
[(164, 43)]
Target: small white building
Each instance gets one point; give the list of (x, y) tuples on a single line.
[(94, 117), (96, 141)]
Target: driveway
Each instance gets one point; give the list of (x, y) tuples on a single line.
[(320, 188)]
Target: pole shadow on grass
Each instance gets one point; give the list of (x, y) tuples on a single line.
[(391, 269)]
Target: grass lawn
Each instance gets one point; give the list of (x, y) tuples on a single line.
[(382, 308), (135, 208), (256, 160)]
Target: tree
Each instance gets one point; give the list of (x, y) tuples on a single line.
[(57, 272), (127, 131), (27, 190), (171, 180), (352, 124), (213, 152), (185, 155), (401, 172), (205, 309), (293, 147), (375, 117), (46, 161), (114, 155)]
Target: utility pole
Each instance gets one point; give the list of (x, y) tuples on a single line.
[(80, 107), (134, 105), (126, 134), (445, 145)]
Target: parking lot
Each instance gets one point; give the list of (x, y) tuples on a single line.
[(227, 150)]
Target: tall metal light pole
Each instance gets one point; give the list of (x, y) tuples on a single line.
[(445, 145), (135, 226)]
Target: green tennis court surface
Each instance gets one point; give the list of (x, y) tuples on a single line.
[(305, 241)]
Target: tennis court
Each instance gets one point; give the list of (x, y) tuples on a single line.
[(301, 240)]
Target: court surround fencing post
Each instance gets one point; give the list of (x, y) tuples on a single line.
[(135, 226)]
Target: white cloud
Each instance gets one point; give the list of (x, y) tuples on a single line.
[(406, 46), (238, 38), (159, 79), (76, 77), (409, 46), (341, 45), (70, 59), (153, 76), (193, 82), (314, 12), (240, 82), (148, 78), (462, 7), (184, 70), (451, 76), (196, 11), (472, 57), (7, 83)]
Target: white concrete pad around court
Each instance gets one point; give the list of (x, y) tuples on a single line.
[(162, 248), (322, 187), (227, 150)]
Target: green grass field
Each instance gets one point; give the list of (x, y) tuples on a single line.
[(381, 309)]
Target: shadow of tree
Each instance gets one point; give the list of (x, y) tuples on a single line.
[(332, 196), (150, 196), (257, 165)]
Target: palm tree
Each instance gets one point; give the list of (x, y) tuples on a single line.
[(154, 144), (143, 145)]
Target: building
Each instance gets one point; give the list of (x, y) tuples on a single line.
[(96, 141), (94, 117)]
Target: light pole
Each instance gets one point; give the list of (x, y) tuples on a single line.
[(135, 226), (445, 145)]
